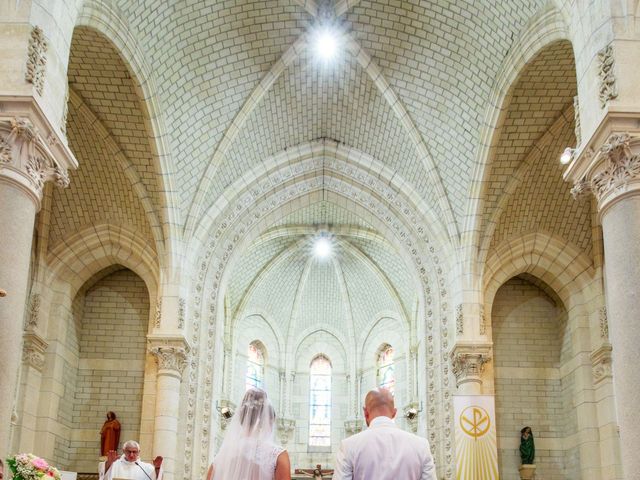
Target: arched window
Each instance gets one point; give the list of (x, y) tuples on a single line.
[(255, 366), (386, 368), (320, 402)]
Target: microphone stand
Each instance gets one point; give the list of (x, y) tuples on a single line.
[(143, 470)]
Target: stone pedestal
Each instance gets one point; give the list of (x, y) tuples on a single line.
[(527, 472)]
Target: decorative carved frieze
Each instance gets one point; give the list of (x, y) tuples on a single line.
[(181, 310), (616, 167), (65, 111), (604, 323), (26, 157), (31, 321), (576, 118), (459, 320), (353, 426), (467, 362), (33, 351), (37, 59), (601, 364), (608, 88), (286, 427), (483, 321), (158, 314), (170, 357)]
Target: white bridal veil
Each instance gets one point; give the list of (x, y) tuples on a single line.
[(247, 448)]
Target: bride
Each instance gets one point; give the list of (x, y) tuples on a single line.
[(248, 451)]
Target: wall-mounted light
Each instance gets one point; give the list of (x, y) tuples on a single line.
[(567, 155), (224, 409), (411, 411)]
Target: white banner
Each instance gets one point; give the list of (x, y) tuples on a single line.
[(476, 447)]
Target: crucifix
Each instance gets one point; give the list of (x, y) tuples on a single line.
[(316, 473)]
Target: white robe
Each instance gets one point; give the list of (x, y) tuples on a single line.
[(129, 470)]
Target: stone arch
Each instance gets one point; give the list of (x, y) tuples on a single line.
[(560, 272), (548, 27), (232, 224), (109, 23), (559, 264)]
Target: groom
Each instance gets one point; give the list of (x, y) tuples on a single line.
[(383, 451)]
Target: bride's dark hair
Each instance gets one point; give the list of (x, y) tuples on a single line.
[(253, 408)]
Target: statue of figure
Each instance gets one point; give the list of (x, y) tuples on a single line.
[(317, 473), (527, 448), (109, 434)]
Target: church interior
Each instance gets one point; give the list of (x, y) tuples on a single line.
[(318, 198)]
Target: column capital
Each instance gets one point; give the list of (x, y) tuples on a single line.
[(601, 364), (33, 350), (468, 360), (171, 353), (31, 150), (609, 165), (286, 427)]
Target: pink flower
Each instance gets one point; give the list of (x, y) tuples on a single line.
[(40, 464)]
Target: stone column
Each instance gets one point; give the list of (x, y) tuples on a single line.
[(171, 356), (468, 360), (29, 391), (27, 161), (612, 174)]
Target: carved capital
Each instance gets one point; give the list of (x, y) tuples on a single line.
[(611, 172), (171, 354), (33, 350), (26, 157), (468, 360), (286, 427), (353, 426), (601, 364)]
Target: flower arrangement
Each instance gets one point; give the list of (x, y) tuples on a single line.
[(26, 466)]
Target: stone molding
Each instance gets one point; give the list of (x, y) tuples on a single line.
[(37, 59), (608, 89), (601, 364), (611, 172), (604, 323), (459, 320), (286, 427), (171, 354), (576, 118), (468, 360), (33, 350), (27, 159)]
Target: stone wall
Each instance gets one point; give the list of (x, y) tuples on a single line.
[(108, 342), (528, 335)]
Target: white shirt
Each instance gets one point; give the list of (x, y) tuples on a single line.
[(384, 452), (138, 470)]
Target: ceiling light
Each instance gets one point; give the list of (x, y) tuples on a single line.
[(322, 247), (567, 155), (326, 44)]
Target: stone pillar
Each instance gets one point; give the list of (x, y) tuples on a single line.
[(468, 360), (171, 356), (29, 392), (612, 174), (27, 161)]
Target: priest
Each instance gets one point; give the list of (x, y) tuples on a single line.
[(129, 466)]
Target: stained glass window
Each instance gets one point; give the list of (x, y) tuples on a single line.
[(386, 368), (320, 402), (255, 366)]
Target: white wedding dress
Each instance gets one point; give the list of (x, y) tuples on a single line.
[(248, 451)]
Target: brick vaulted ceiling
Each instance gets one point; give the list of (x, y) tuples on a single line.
[(236, 82)]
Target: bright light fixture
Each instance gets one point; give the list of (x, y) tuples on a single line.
[(326, 44), (567, 155), (322, 247)]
